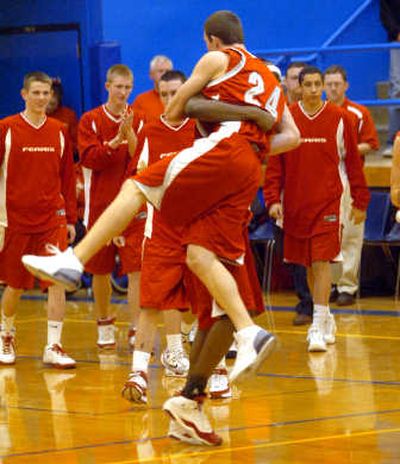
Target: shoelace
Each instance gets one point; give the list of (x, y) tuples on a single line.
[(58, 349), (7, 344)]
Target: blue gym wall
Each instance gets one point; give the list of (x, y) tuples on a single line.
[(143, 29), (175, 29)]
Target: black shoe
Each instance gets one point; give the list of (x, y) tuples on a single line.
[(334, 294), (302, 319), (345, 299)]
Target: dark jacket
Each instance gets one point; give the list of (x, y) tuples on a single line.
[(390, 17)]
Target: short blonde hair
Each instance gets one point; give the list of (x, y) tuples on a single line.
[(36, 76), (120, 70)]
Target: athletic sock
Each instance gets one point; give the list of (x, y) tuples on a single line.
[(54, 329), (174, 342), (140, 361), (7, 323), (320, 313)]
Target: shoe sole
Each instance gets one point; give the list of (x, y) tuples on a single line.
[(221, 395), (191, 428), (184, 436), (106, 346), (68, 285), (135, 394), (2, 363), (263, 354), (317, 349), (59, 366)]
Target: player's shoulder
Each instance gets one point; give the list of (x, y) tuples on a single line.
[(11, 120), (359, 110), (94, 113)]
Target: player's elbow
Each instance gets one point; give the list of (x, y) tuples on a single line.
[(294, 137)]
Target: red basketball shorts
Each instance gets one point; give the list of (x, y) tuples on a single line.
[(305, 251), (18, 244), (208, 188)]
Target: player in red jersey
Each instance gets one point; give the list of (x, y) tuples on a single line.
[(37, 210), (207, 187), (311, 180), (336, 85), (106, 142)]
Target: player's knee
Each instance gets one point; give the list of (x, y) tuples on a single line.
[(196, 260)]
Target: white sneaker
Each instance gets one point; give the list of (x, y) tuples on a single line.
[(106, 333), (55, 356), (218, 384), (252, 351), (176, 363), (62, 268), (315, 338), (7, 348), (176, 431), (189, 415), (330, 330), (135, 388)]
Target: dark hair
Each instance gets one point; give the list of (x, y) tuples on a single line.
[(226, 26), (296, 64), (57, 87), (173, 75), (36, 76), (309, 70), (336, 69)]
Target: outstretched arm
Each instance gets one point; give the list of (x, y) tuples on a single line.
[(208, 110)]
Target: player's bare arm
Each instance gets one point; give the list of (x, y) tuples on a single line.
[(288, 135), (208, 110), (211, 66)]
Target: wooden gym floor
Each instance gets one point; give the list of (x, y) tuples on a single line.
[(338, 407)]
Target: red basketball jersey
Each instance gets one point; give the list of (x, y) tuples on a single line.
[(248, 81)]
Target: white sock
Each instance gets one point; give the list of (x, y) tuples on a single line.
[(140, 361), (320, 313), (7, 323), (54, 329), (174, 342), (249, 331)]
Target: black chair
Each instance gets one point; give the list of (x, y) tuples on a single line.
[(377, 223)]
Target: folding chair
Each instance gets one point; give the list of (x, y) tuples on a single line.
[(264, 235)]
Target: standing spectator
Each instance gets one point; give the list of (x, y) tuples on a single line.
[(291, 81), (37, 210), (106, 141), (149, 103), (390, 18), (313, 188), (336, 85), (66, 115)]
